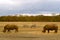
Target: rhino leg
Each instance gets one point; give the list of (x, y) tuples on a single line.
[(16, 30), (8, 30), (48, 31), (55, 31)]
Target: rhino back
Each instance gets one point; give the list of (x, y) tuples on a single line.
[(10, 26), (51, 26)]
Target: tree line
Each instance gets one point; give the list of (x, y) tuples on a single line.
[(39, 18)]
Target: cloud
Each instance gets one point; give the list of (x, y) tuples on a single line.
[(28, 6), (53, 0), (17, 2), (6, 2)]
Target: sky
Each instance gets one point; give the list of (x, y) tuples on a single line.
[(9, 7)]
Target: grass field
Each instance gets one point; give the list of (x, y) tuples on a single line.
[(28, 33)]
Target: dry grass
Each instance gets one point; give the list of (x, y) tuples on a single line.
[(29, 33)]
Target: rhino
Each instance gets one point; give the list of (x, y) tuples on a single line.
[(9, 27), (50, 27)]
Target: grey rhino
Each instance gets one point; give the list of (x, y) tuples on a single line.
[(51, 27), (9, 27)]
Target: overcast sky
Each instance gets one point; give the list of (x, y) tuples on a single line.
[(28, 6)]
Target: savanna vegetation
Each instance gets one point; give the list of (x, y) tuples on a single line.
[(39, 18)]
